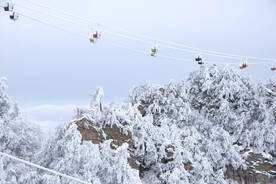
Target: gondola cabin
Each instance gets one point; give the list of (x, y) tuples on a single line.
[(241, 66), (14, 16), (96, 35), (244, 65), (92, 40), (8, 7), (154, 50), (199, 60)]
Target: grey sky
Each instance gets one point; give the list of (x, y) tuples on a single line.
[(47, 66)]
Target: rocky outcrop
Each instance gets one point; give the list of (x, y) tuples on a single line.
[(259, 170), (91, 131)]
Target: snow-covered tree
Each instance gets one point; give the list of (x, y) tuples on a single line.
[(96, 99), (65, 154), (18, 137), (260, 135), (2, 171), (186, 132), (115, 168), (4, 99), (225, 97)]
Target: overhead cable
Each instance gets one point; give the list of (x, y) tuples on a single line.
[(43, 168), (196, 50)]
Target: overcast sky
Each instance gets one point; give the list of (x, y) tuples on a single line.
[(49, 68)]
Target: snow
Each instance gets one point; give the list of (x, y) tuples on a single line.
[(208, 120)]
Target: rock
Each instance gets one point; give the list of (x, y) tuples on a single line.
[(188, 166), (169, 157), (259, 170), (162, 90), (142, 110), (91, 131)]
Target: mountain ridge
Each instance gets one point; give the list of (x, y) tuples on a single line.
[(214, 127)]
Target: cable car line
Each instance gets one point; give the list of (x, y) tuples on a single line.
[(56, 27), (110, 32), (43, 168), (127, 37), (110, 43), (104, 42), (16, 13), (204, 51), (62, 12), (44, 13), (116, 45)]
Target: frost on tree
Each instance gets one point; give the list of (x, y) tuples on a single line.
[(18, 137), (96, 99), (224, 96), (4, 99), (260, 135), (64, 153), (216, 111), (186, 132)]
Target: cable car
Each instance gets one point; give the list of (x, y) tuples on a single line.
[(273, 68), (154, 51), (92, 40), (8, 7), (95, 37), (14, 16), (243, 65), (199, 60)]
